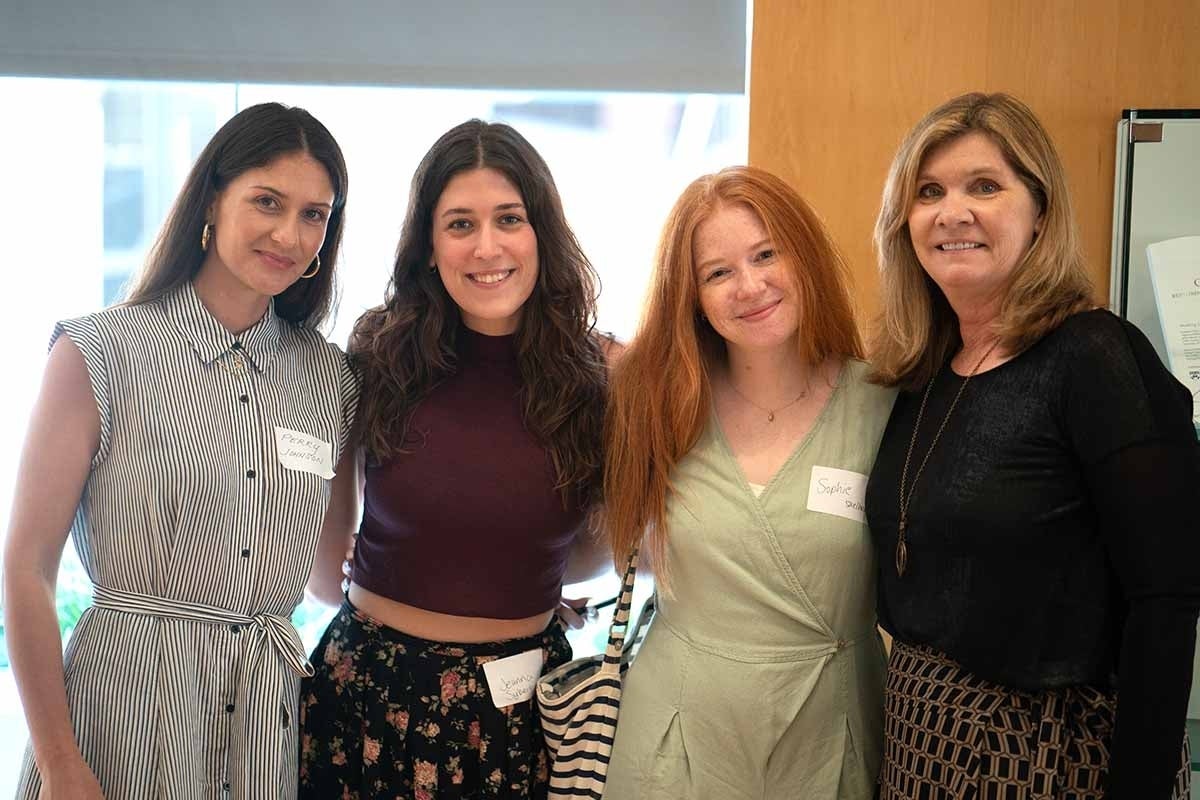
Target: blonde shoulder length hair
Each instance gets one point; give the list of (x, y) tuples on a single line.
[(660, 388), (917, 329)]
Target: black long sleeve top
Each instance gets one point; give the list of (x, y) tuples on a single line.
[(1053, 535)]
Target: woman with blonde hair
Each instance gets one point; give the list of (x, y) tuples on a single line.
[(740, 433), (1029, 498)]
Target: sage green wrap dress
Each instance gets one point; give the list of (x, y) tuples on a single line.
[(762, 677)]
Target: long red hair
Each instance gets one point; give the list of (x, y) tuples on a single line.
[(660, 392)]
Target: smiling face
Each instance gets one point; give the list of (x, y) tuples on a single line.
[(485, 249), (268, 225), (745, 287), (972, 220)]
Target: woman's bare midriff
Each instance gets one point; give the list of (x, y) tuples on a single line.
[(444, 627)]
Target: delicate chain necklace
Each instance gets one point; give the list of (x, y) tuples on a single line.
[(906, 497), (770, 413), (239, 364)]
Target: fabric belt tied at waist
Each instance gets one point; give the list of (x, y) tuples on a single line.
[(262, 710), (279, 630)]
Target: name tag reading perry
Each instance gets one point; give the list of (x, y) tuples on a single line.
[(511, 680), (838, 491), (305, 453)]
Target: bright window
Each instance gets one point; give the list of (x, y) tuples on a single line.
[(91, 168)]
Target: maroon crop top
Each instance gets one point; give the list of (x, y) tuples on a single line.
[(468, 522)]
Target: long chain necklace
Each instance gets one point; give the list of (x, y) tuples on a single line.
[(906, 497), (770, 413)]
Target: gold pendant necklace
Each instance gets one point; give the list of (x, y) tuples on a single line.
[(906, 498), (770, 412), (238, 366)]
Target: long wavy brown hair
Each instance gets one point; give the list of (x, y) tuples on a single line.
[(661, 392), (406, 346)]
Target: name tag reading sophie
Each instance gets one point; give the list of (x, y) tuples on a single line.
[(838, 491), (305, 453), (511, 680)]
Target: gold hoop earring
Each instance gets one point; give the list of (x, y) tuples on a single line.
[(205, 235), (313, 274)]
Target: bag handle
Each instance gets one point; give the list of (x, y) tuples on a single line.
[(643, 619), (620, 623)]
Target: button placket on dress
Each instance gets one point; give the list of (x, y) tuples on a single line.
[(246, 426), (187, 416)]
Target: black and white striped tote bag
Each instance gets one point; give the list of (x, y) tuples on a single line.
[(579, 703)]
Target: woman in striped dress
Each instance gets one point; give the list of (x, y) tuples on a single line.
[(186, 438)]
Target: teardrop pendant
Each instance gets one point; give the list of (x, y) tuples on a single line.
[(770, 416), (901, 557)]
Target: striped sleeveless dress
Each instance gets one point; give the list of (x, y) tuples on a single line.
[(183, 676)]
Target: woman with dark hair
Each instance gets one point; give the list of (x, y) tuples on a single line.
[(186, 438), (483, 402), (740, 434), (1030, 501)]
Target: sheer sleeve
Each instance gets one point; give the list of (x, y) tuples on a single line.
[(1133, 429), (1142, 497)]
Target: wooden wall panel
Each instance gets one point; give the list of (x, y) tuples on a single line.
[(834, 85)]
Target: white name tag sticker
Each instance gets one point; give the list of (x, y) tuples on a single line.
[(305, 453), (839, 492), (512, 680)]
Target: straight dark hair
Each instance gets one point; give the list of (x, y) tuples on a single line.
[(253, 138), (404, 347)]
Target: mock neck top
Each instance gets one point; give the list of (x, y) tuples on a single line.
[(468, 521)]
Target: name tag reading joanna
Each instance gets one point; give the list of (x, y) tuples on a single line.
[(305, 453), (838, 491), (512, 680)]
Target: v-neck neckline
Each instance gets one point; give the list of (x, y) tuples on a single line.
[(719, 431)]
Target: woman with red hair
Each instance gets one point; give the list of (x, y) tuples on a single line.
[(740, 433)]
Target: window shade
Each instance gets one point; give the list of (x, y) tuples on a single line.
[(651, 45)]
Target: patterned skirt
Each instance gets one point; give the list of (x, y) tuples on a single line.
[(388, 715), (949, 735)]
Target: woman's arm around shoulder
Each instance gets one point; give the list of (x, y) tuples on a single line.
[(611, 347), (63, 438), (338, 529)]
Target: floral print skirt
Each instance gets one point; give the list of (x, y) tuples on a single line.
[(388, 715)]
